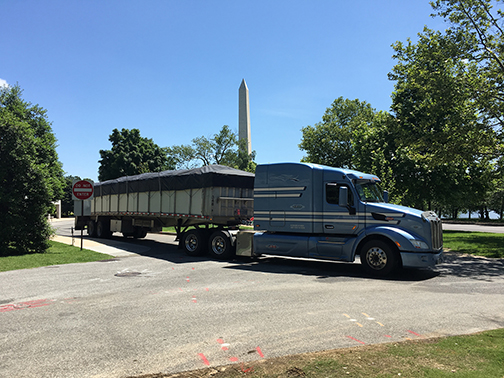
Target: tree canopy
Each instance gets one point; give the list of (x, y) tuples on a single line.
[(31, 176), (441, 146), (223, 148), (131, 154)]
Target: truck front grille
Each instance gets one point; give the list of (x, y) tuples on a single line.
[(437, 233)]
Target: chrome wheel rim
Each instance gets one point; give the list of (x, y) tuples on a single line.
[(191, 243), (376, 258), (218, 245)]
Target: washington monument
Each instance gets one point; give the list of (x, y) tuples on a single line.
[(244, 116)]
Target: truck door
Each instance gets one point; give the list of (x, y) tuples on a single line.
[(339, 220), (340, 224)]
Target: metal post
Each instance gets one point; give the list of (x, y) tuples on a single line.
[(82, 228)]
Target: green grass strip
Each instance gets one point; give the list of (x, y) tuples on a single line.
[(475, 243), (57, 254)]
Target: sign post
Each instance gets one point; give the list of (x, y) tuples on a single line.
[(82, 190)]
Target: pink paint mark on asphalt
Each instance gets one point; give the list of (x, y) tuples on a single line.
[(220, 341), (25, 305), (353, 338), (260, 352), (205, 361), (233, 359), (414, 333), (388, 336)]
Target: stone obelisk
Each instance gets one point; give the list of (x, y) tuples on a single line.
[(244, 115)]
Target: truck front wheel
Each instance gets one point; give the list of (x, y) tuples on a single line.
[(378, 258), (193, 243), (220, 245)]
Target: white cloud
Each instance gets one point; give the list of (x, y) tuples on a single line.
[(3, 83)]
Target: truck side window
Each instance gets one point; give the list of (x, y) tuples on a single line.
[(332, 193)]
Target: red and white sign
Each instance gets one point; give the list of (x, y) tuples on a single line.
[(82, 190)]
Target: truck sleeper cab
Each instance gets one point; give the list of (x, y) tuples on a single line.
[(308, 210)]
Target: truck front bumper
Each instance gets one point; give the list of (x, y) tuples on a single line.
[(421, 260)]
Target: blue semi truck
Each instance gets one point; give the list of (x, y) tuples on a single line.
[(314, 211), (298, 210)]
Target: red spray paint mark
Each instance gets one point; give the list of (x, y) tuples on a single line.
[(248, 370), (205, 361), (233, 359), (187, 279), (388, 336), (353, 338), (194, 299), (24, 305), (260, 352), (207, 289), (414, 333)]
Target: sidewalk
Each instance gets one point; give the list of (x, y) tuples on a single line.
[(112, 247)]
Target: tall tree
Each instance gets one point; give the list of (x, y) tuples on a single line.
[(330, 142), (439, 127), (223, 148), (479, 23), (131, 154), (31, 176)]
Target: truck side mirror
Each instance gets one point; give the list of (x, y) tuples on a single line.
[(343, 196), (385, 196)]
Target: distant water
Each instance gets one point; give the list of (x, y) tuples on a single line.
[(475, 215)]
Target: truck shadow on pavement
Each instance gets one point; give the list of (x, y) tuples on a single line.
[(455, 264), (325, 271)]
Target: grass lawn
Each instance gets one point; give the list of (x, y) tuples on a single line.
[(57, 254), (475, 243), (471, 356)]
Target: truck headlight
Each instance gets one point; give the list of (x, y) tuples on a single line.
[(419, 244)]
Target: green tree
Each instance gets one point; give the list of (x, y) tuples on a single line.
[(31, 177), (223, 148), (479, 23), (439, 129), (131, 155), (330, 142), (67, 203)]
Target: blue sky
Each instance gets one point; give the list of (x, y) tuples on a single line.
[(173, 68)]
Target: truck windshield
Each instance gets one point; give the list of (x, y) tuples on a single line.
[(369, 191)]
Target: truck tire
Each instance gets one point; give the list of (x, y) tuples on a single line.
[(379, 258), (220, 245), (140, 233), (194, 243), (91, 229), (102, 231)]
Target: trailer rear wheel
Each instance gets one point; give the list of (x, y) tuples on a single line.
[(194, 243), (220, 245), (91, 228), (102, 231), (140, 233), (378, 258)]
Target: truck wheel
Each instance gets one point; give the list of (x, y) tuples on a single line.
[(378, 258), (91, 229), (193, 243), (220, 245), (140, 233), (102, 230)]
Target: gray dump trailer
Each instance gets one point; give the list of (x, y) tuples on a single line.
[(214, 200)]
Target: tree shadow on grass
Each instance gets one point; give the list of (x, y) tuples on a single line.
[(464, 265)]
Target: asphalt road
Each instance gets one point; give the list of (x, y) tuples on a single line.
[(153, 309)]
